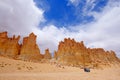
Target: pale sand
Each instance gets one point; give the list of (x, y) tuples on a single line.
[(20, 70)]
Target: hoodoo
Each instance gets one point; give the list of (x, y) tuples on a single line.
[(75, 53), (47, 54), (9, 46), (29, 49)]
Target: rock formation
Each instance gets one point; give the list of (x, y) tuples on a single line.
[(69, 52), (29, 49), (9, 46), (47, 54), (55, 55), (75, 53)]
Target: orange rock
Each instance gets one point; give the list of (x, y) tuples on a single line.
[(9, 46), (29, 49), (47, 54), (55, 55), (75, 53), (69, 52)]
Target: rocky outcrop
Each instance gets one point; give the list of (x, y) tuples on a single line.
[(47, 54), (69, 52), (29, 49), (55, 55), (9, 46), (75, 53)]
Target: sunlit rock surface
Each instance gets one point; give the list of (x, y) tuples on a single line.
[(29, 49), (47, 54), (9, 46), (75, 53)]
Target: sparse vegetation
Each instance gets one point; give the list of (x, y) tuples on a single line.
[(5, 64), (29, 68), (19, 68), (2, 65)]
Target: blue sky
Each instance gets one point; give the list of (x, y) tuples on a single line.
[(64, 13), (96, 22)]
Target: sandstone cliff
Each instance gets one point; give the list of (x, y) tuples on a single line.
[(69, 52), (9, 46), (75, 53), (47, 54), (29, 49)]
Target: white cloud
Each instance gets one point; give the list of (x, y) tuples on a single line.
[(75, 2), (88, 6), (19, 16), (104, 31)]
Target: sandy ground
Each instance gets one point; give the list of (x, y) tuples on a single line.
[(19, 70)]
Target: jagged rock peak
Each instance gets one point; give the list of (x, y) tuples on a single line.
[(47, 54), (9, 46), (32, 35), (29, 49), (3, 35), (75, 53)]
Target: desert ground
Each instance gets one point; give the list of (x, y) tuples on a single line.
[(20, 70)]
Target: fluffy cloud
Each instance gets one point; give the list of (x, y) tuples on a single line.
[(19, 16), (88, 6), (22, 17), (104, 31), (88, 3)]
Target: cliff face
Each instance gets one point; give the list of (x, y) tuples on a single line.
[(9, 46), (75, 53), (29, 49), (47, 54), (69, 52)]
